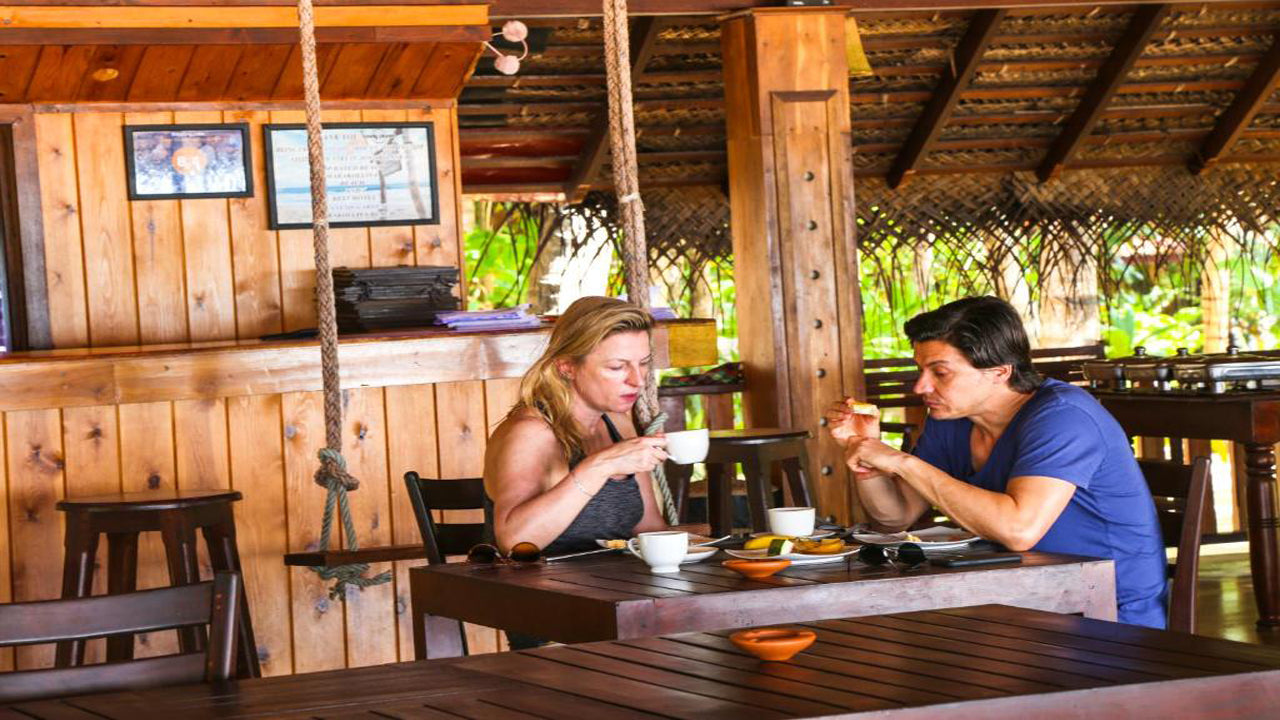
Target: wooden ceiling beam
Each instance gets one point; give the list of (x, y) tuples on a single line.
[(1236, 119), (1110, 76), (644, 37), (106, 17), (964, 66), (240, 36)]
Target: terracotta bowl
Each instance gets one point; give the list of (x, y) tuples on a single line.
[(756, 569), (773, 644)]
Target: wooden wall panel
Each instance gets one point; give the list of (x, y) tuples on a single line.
[(158, 259), (64, 254), (411, 445), (147, 450), (104, 219), (118, 271), (6, 577), (370, 613), (257, 471), (460, 424), (320, 642), (36, 483), (255, 256)]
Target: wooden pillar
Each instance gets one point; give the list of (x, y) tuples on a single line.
[(791, 196)]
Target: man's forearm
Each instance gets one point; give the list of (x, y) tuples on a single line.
[(992, 515), (884, 501)]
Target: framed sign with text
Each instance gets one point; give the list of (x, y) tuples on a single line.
[(375, 174), (169, 162)]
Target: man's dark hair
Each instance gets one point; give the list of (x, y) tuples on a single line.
[(986, 330)]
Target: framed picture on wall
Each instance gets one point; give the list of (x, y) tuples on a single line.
[(166, 162), (375, 174)]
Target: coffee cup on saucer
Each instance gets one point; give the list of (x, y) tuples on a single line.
[(792, 521), (662, 550)]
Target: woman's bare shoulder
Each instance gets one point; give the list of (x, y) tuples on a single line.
[(525, 428)]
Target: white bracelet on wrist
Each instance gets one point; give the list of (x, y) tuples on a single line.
[(581, 488)]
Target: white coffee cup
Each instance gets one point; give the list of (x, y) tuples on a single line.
[(663, 550), (792, 521), (688, 446)]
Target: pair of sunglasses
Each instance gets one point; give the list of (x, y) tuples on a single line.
[(521, 552), (908, 555)]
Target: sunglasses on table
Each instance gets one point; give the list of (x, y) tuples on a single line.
[(908, 555), (521, 552)]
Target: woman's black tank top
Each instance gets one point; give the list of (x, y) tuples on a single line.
[(613, 512)]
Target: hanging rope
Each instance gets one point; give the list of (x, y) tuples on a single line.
[(332, 475), (622, 144)]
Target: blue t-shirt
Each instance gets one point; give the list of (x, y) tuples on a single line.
[(1063, 433)]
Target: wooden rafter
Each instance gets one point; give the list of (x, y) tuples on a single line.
[(964, 67), (644, 37), (1235, 120), (1110, 76)]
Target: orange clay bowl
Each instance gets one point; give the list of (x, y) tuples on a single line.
[(773, 644), (756, 569)]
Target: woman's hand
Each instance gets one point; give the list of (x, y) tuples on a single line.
[(869, 457), (637, 455)]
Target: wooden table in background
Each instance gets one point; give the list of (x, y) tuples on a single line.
[(976, 663), (1252, 419), (616, 597)]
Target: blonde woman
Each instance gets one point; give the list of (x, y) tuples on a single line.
[(566, 467)]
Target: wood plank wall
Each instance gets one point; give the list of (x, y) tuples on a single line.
[(123, 273), (264, 446)]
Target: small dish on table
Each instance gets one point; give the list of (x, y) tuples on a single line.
[(756, 569), (773, 644)]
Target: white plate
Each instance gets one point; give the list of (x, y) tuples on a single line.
[(795, 558), (695, 554), (695, 541), (934, 538), (815, 536)]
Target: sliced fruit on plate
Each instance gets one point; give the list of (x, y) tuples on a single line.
[(825, 546), (779, 546), (762, 541)]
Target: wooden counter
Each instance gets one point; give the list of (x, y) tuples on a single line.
[(190, 371), (249, 416)]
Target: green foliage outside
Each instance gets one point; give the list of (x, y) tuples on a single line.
[(1160, 310)]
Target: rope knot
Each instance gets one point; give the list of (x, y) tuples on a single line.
[(334, 467)]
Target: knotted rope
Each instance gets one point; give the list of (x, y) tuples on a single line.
[(622, 144), (332, 474)]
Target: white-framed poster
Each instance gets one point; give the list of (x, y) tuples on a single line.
[(375, 174)]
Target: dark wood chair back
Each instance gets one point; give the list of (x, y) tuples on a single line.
[(215, 603), (1180, 492), (444, 539)]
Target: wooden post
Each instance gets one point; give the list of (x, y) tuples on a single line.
[(791, 197)]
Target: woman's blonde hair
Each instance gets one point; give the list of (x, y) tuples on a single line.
[(583, 326)]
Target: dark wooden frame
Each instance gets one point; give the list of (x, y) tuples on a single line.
[(273, 221), (246, 158), (215, 603), (28, 298)]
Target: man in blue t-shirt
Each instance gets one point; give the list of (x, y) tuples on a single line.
[(1030, 463)]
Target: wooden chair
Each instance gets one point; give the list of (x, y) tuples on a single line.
[(444, 539), (756, 450), (215, 603), (1180, 492)]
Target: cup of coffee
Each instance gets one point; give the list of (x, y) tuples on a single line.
[(792, 521), (688, 446), (663, 550)]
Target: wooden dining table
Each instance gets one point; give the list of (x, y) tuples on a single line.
[(615, 596), (986, 662)]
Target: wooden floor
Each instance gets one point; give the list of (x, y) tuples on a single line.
[(1226, 608)]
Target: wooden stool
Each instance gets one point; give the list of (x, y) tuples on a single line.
[(176, 515), (755, 450)]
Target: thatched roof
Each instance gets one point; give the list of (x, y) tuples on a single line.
[(530, 133)]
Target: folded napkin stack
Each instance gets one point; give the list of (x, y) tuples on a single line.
[(499, 319)]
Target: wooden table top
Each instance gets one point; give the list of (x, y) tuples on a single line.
[(987, 662), (615, 596)]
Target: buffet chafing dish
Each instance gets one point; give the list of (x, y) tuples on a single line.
[(1157, 374), (1110, 374), (1233, 371)]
